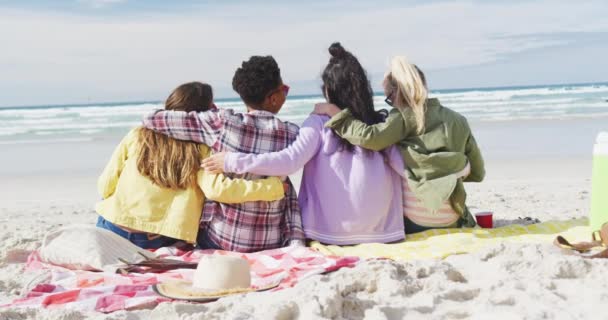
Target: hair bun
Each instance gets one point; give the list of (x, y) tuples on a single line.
[(337, 51)]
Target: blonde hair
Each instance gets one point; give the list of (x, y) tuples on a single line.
[(171, 163), (410, 88)]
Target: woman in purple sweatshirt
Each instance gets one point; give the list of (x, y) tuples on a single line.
[(348, 195)]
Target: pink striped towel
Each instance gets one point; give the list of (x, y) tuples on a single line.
[(108, 292)]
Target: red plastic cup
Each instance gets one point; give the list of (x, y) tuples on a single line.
[(484, 219)]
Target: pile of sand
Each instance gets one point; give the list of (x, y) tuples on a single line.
[(509, 281)]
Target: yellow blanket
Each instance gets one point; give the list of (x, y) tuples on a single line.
[(440, 243)]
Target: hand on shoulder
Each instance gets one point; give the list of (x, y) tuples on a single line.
[(214, 163), (325, 108)]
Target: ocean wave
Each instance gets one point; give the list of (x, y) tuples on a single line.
[(479, 95), (12, 131), (555, 102), (36, 141), (80, 111), (65, 127)]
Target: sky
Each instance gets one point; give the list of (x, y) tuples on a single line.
[(79, 51)]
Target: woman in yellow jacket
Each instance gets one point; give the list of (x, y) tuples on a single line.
[(153, 188)]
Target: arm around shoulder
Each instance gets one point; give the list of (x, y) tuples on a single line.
[(201, 127), (284, 162), (223, 189), (373, 137)]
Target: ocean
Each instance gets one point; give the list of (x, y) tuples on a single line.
[(88, 121)]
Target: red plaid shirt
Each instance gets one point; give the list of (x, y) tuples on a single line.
[(248, 226)]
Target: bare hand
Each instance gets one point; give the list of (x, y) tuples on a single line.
[(214, 163), (324, 108)]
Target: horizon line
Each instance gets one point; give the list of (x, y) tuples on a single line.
[(9, 107)]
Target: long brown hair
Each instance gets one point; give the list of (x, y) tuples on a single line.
[(172, 163)]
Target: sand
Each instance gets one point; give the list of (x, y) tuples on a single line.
[(506, 281)]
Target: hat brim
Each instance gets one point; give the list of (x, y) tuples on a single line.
[(183, 290)]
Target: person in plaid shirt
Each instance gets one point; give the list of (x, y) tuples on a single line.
[(249, 226)]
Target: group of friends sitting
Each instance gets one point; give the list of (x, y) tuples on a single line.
[(368, 176)]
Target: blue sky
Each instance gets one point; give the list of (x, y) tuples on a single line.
[(56, 52)]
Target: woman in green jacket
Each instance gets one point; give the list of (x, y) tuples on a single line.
[(438, 148)]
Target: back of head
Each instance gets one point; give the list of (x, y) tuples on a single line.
[(172, 163), (256, 79), (346, 85), (191, 96), (409, 87)]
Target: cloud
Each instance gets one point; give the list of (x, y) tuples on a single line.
[(100, 3), (70, 57)]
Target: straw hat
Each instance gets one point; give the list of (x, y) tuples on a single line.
[(216, 276)]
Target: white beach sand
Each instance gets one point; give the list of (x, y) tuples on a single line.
[(540, 170)]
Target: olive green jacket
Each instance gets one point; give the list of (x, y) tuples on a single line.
[(432, 158)]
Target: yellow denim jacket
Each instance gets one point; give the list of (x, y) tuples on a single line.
[(132, 200)]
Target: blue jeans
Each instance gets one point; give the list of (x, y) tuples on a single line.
[(141, 239), (203, 241)]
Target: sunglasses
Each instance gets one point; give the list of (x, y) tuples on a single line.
[(389, 100), (285, 89)]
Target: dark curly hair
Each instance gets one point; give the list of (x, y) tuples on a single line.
[(255, 79), (345, 84)]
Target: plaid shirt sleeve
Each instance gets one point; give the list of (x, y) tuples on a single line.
[(292, 229), (202, 127)]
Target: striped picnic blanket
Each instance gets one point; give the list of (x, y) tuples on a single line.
[(108, 292), (440, 243)]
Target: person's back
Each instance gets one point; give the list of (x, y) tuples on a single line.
[(436, 143), (348, 195), (251, 226), (255, 226), (441, 148), (135, 202), (152, 188), (446, 128)]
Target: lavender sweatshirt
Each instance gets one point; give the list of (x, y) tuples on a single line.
[(346, 197)]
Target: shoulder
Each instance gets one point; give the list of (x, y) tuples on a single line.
[(225, 112), (131, 141), (291, 128), (133, 133), (396, 113), (314, 126), (229, 115), (315, 121), (454, 118), (204, 150), (406, 115), (454, 114), (216, 118), (217, 114), (132, 136)]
